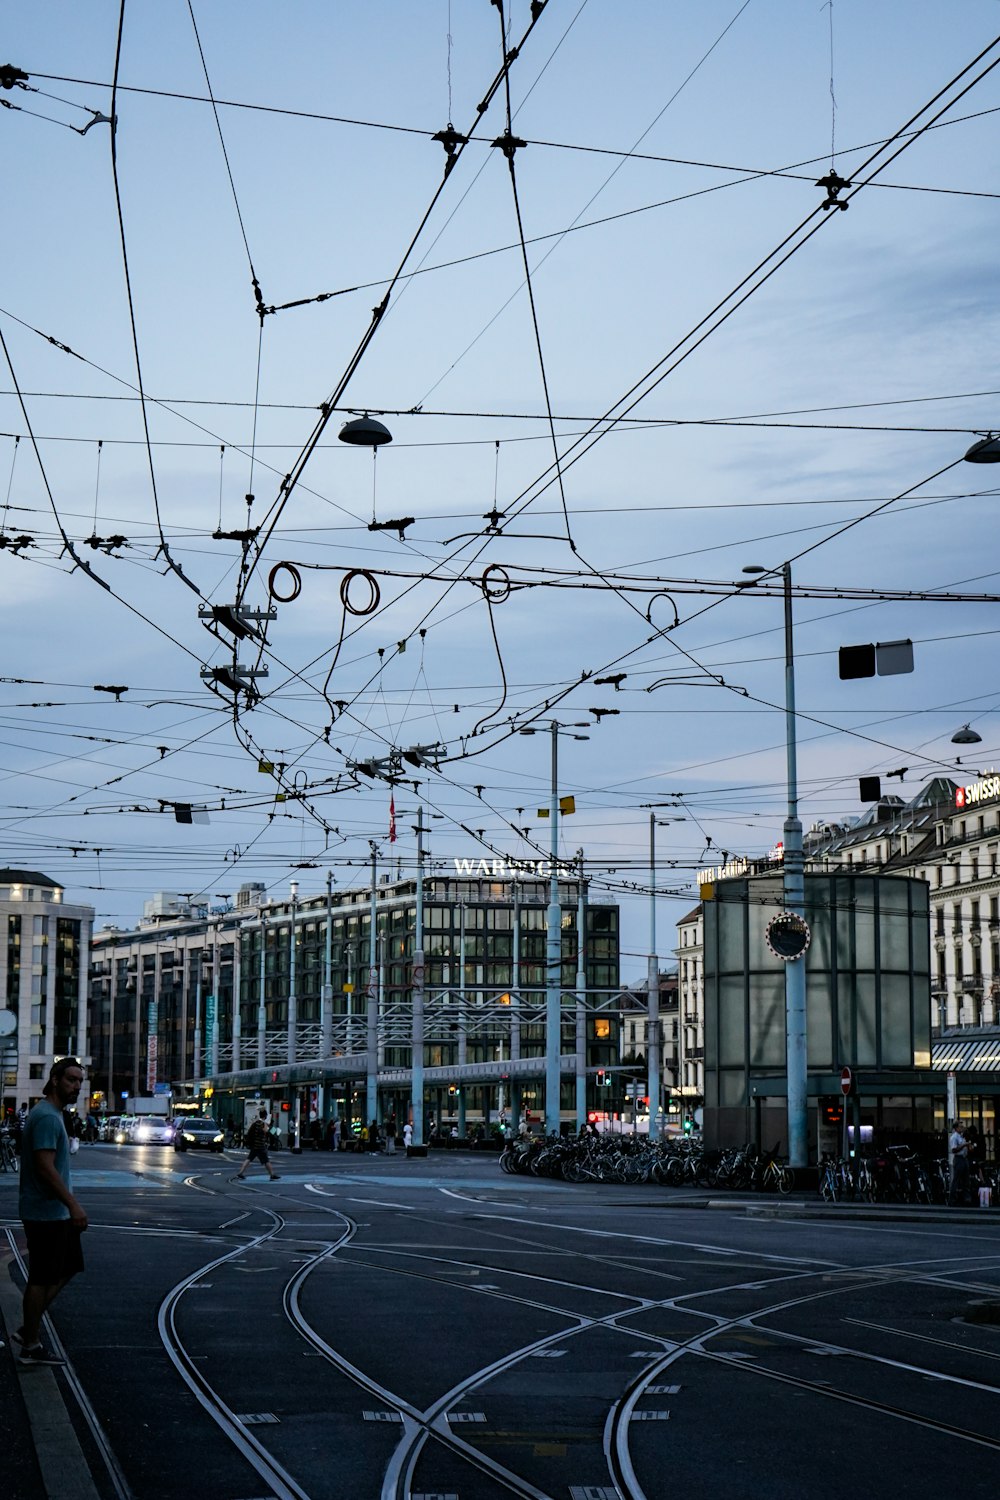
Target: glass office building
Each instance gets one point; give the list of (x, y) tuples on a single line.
[(868, 1005)]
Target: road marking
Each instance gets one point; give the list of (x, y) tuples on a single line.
[(650, 1416), (646, 1354), (588, 1492), (256, 1418), (661, 1390), (379, 1203), (548, 1353), (465, 1416), (437, 1495), (382, 1416)]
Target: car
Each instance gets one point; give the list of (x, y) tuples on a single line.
[(194, 1131), (153, 1130)]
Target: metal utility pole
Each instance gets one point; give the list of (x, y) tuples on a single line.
[(463, 1024), (417, 990), (793, 895), (371, 1097), (795, 902), (653, 993), (213, 1031), (293, 1004), (261, 996), (581, 999), (326, 994), (553, 957), (237, 1031)]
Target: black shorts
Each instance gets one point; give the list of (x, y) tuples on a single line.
[(258, 1153), (54, 1251)]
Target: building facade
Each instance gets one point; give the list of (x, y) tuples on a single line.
[(292, 994), (949, 836), (43, 982)]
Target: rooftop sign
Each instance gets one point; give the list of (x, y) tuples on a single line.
[(987, 790), (515, 869)]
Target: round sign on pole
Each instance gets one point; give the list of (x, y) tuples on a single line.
[(787, 935), (846, 1081)]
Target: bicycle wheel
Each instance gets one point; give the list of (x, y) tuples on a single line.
[(786, 1179)]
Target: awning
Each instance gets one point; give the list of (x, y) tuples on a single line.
[(972, 1055)]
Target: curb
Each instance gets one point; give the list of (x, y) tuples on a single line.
[(61, 1459)]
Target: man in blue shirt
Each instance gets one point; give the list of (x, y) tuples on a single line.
[(52, 1217)]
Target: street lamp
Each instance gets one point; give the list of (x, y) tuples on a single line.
[(985, 451), (553, 944), (793, 882)]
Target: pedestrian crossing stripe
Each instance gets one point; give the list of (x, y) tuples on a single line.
[(466, 1416), (650, 1416), (383, 1416)]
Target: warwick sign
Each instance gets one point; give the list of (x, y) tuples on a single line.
[(515, 869)]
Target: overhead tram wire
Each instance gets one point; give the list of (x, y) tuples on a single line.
[(509, 150), (592, 199), (321, 117), (68, 545), (255, 283), (291, 479), (164, 546), (793, 242)]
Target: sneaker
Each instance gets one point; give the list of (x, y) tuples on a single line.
[(275, 1176), (39, 1355)]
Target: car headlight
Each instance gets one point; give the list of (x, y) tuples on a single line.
[(185, 1136), (219, 1137)]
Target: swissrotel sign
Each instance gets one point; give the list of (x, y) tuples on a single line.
[(987, 790)]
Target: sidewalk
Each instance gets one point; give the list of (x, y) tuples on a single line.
[(62, 1468), (809, 1206)]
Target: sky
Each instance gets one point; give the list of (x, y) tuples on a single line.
[(622, 355)]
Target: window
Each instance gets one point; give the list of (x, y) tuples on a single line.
[(602, 1027)]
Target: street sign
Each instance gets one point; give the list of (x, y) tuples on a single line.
[(846, 1081)]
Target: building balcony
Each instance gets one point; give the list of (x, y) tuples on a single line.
[(940, 942)]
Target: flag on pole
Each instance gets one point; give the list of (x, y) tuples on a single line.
[(392, 818)]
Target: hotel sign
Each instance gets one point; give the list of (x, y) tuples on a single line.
[(987, 790)]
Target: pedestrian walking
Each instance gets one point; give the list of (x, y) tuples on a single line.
[(407, 1135), (958, 1155), (53, 1218), (338, 1132), (256, 1142), (390, 1135)]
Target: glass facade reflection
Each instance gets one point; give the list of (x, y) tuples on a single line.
[(868, 998)]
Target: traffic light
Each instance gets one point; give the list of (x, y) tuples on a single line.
[(603, 1079), (832, 1112), (688, 1124), (453, 1088)]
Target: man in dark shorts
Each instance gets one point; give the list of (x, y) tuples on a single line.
[(53, 1219), (256, 1141)]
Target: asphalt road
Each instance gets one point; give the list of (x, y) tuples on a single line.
[(387, 1329)]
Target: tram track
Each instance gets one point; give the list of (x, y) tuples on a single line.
[(425, 1427)]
